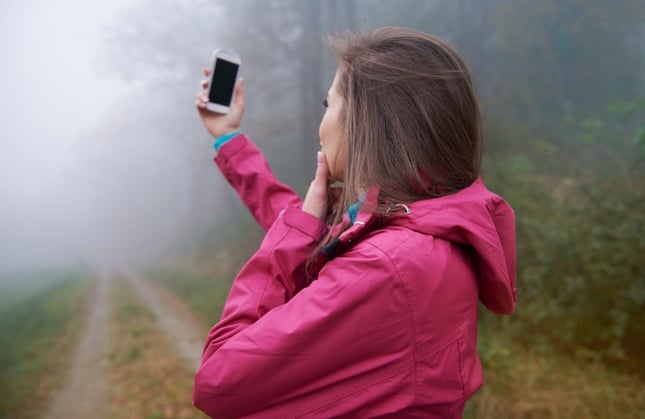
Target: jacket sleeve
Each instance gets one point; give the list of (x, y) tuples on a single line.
[(284, 352), (248, 172)]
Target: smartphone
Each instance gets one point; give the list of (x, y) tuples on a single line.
[(225, 67)]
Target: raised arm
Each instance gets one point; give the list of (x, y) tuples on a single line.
[(245, 168), (243, 165)]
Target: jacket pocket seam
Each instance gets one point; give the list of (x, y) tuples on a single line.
[(458, 335), (461, 367), (360, 390)]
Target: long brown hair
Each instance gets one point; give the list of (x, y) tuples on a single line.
[(410, 115)]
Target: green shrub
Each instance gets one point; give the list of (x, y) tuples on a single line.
[(581, 285)]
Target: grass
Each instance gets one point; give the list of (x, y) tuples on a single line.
[(521, 383), (149, 380), (40, 323), (18, 286), (203, 293), (205, 279)]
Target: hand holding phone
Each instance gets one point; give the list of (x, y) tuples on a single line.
[(225, 67), (216, 121)]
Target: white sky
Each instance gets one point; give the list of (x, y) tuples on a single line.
[(50, 92)]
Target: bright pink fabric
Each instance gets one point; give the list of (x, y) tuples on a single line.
[(389, 327)]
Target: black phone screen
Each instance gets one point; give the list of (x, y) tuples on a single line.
[(223, 82)]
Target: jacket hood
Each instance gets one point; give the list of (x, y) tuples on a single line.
[(478, 218), (473, 217)]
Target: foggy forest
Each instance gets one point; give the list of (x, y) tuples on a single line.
[(114, 218)]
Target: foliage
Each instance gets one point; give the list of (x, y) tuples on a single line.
[(521, 383), (563, 58), (581, 284)]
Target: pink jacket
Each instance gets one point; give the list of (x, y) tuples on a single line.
[(389, 327)]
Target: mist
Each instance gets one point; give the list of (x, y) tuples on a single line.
[(53, 94), (86, 174), (103, 158)]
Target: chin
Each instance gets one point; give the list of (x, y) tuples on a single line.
[(336, 177)]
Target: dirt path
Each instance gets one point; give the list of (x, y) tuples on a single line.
[(183, 334), (85, 392)]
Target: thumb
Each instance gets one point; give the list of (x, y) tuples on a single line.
[(322, 170), (237, 107), (239, 93)]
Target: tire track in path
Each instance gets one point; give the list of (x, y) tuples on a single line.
[(183, 334), (85, 393)]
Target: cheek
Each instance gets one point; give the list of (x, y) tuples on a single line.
[(322, 129), (340, 160), (331, 138), (335, 153)]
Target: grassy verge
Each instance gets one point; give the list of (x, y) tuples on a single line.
[(18, 286), (150, 381), (205, 279), (523, 384), (203, 293), (38, 331)]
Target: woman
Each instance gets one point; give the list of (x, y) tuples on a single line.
[(367, 308)]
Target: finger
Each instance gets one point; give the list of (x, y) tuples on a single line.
[(205, 84), (237, 107), (239, 94), (207, 71), (239, 86), (322, 169), (201, 96)]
